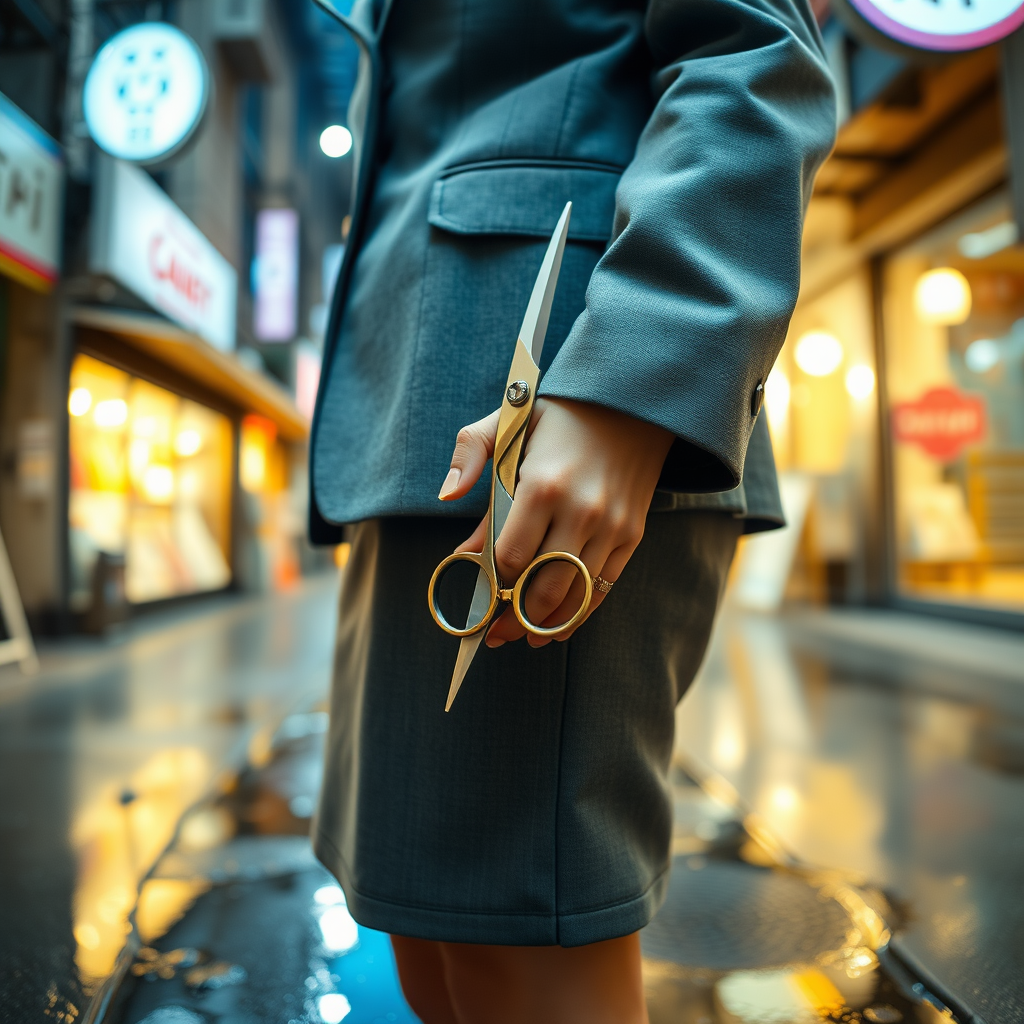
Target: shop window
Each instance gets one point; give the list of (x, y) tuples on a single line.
[(820, 405), (150, 480), (954, 315)]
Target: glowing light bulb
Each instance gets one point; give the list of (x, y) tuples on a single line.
[(79, 401), (943, 296), (111, 413), (335, 141), (188, 442), (818, 353), (158, 484), (860, 381)]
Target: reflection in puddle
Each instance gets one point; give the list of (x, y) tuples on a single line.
[(117, 835)]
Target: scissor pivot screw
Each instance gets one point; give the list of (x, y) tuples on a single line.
[(517, 392)]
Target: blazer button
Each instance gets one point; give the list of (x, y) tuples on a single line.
[(757, 399)]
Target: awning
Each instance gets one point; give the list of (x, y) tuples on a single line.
[(220, 372)]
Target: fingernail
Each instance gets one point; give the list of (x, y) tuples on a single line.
[(494, 643), (451, 481)]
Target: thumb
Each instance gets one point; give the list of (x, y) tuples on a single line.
[(473, 447)]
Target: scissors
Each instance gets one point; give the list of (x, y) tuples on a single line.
[(491, 593)]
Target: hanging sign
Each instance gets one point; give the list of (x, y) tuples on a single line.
[(944, 25), (942, 422), (146, 93), (140, 238), (31, 191), (276, 275)]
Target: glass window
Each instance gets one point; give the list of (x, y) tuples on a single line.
[(954, 318), (150, 479)]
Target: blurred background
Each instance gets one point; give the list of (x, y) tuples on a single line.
[(175, 189)]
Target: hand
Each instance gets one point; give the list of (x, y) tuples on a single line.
[(585, 486)]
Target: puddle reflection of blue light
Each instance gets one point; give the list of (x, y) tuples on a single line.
[(368, 978)]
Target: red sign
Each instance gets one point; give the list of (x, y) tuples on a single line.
[(942, 422)]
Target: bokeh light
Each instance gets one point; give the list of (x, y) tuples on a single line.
[(860, 381), (335, 141), (942, 296), (818, 353)]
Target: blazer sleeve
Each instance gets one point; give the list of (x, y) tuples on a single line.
[(689, 305)]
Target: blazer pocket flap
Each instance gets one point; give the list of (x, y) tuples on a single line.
[(526, 199)]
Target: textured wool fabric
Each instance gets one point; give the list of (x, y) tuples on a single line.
[(686, 133), (537, 811)]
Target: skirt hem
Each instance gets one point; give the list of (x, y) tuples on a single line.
[(439, 925)]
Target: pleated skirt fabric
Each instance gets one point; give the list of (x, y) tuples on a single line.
[(538, 810)]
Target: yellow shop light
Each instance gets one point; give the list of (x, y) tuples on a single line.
[(943, 296)]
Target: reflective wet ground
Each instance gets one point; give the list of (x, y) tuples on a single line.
[(102, 753), (838, 776)]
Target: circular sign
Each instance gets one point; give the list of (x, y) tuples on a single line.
[(944, 25), (146, 93)]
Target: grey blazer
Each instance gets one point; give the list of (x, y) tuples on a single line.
[(686, 133)]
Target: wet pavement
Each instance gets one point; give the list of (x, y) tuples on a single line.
[(890, 747), (848, 840), (102, 753)]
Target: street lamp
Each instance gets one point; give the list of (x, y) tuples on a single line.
[(335, 141)]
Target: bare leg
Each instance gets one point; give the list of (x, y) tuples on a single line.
[(595, 984), (421, 971)]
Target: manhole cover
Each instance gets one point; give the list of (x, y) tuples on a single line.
[(725, 916)]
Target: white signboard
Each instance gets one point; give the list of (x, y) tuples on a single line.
[(140, 238), (146, 93), (943, 24), (31, 193), (276, 275)]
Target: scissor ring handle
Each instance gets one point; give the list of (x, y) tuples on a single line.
[(438, 616), (519, 592)]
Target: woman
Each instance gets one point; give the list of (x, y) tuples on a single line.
[(514, 847)]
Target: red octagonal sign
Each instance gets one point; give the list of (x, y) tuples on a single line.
[(942, 422)]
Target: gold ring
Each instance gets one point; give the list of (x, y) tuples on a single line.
[(601, 584)]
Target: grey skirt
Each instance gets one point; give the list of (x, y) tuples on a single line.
[(537, 811)]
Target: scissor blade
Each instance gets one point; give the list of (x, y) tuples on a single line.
[(469, 645), (535, 323), (467, 652)]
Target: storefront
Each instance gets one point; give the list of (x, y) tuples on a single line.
[(31, 204), (897, 404), (953, 303), (179, 456)]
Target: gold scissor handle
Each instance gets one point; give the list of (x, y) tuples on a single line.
[(519, 592), (474, 558), (515, 595)]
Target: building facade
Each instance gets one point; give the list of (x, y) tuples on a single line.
[(897, 404), (153, 312)]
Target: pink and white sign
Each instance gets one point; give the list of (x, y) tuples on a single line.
[(140, 238), (276, 275), (945, 25), (942, 422)]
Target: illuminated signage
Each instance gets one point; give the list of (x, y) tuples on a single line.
[(942, 24), (942, 422), (146, 93), (31, 191), (276, 275), (140, 238)]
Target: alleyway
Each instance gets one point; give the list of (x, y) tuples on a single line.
[(838, 776)]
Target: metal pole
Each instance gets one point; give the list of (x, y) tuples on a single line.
[(80, 50), (1013, 117)]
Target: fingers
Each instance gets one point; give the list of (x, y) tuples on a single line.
[(610, 570), (473, 447)]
